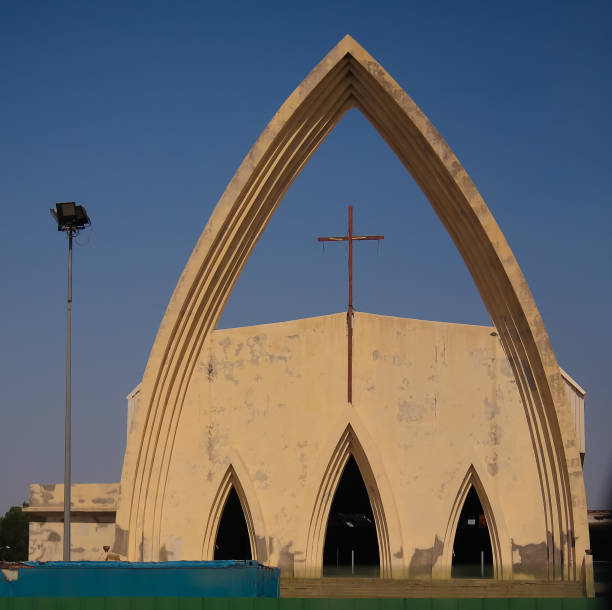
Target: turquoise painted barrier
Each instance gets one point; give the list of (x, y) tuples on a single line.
[(114, 579)]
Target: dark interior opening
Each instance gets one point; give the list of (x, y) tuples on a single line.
[(351, 544), (232, 536), (472, 553)]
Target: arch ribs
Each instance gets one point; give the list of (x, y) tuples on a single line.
[(470, 480), (349, 77)]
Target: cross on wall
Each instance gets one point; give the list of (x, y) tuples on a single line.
[(350, 238)]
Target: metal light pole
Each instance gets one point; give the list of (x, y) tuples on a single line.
[(70, 218), (68, 418)]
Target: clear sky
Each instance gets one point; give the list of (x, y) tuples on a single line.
[(142, 111)]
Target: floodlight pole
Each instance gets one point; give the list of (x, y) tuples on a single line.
[(70, 218), (68, 415)]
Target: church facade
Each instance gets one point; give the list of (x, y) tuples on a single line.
[(459, 453)]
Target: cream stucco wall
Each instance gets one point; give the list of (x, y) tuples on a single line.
[(348, 77), (93, 508), (433, 403)]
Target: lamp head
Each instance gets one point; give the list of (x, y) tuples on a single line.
[(70, 217)]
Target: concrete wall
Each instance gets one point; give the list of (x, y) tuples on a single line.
[(88, 536), (92, 515), (132, 404), (576, 396), (435, 410), (349, 77)]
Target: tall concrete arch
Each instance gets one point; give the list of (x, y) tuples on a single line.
[(348, 77)]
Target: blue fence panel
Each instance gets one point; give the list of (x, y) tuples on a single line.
[(119, 578)]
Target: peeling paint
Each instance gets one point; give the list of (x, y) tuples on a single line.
[(262, 478), (256, 348), (304, 469), (228, 367), (103, 500), (225, 344), (491, 409), (399, 360), (495, 434), (47, 497), (492, 468), (212, 442), (409, 411)]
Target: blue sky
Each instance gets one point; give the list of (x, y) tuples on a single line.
[(143, 111)]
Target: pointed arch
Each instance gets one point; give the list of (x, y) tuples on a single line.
[(229, 481), (347, 445), (472, 480), (348, 77)]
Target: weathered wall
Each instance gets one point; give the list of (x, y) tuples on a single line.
[(93, 508), (348, 77), (88, 536), (83, 496), (435, 405)]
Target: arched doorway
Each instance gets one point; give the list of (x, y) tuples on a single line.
[(232, 541), (351, 542), (472, 551)]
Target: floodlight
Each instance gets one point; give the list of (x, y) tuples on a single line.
[(70, 216)]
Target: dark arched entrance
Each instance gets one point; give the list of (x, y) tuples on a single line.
[(232, 536), (351, 544), (472, 553)]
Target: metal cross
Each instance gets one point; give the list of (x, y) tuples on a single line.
[(349, 315)]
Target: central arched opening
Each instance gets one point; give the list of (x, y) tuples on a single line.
[(351, 543), (232, 540), (472, 552)]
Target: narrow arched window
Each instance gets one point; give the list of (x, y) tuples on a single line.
[(472, 552), (232, 540), (351, 543)]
